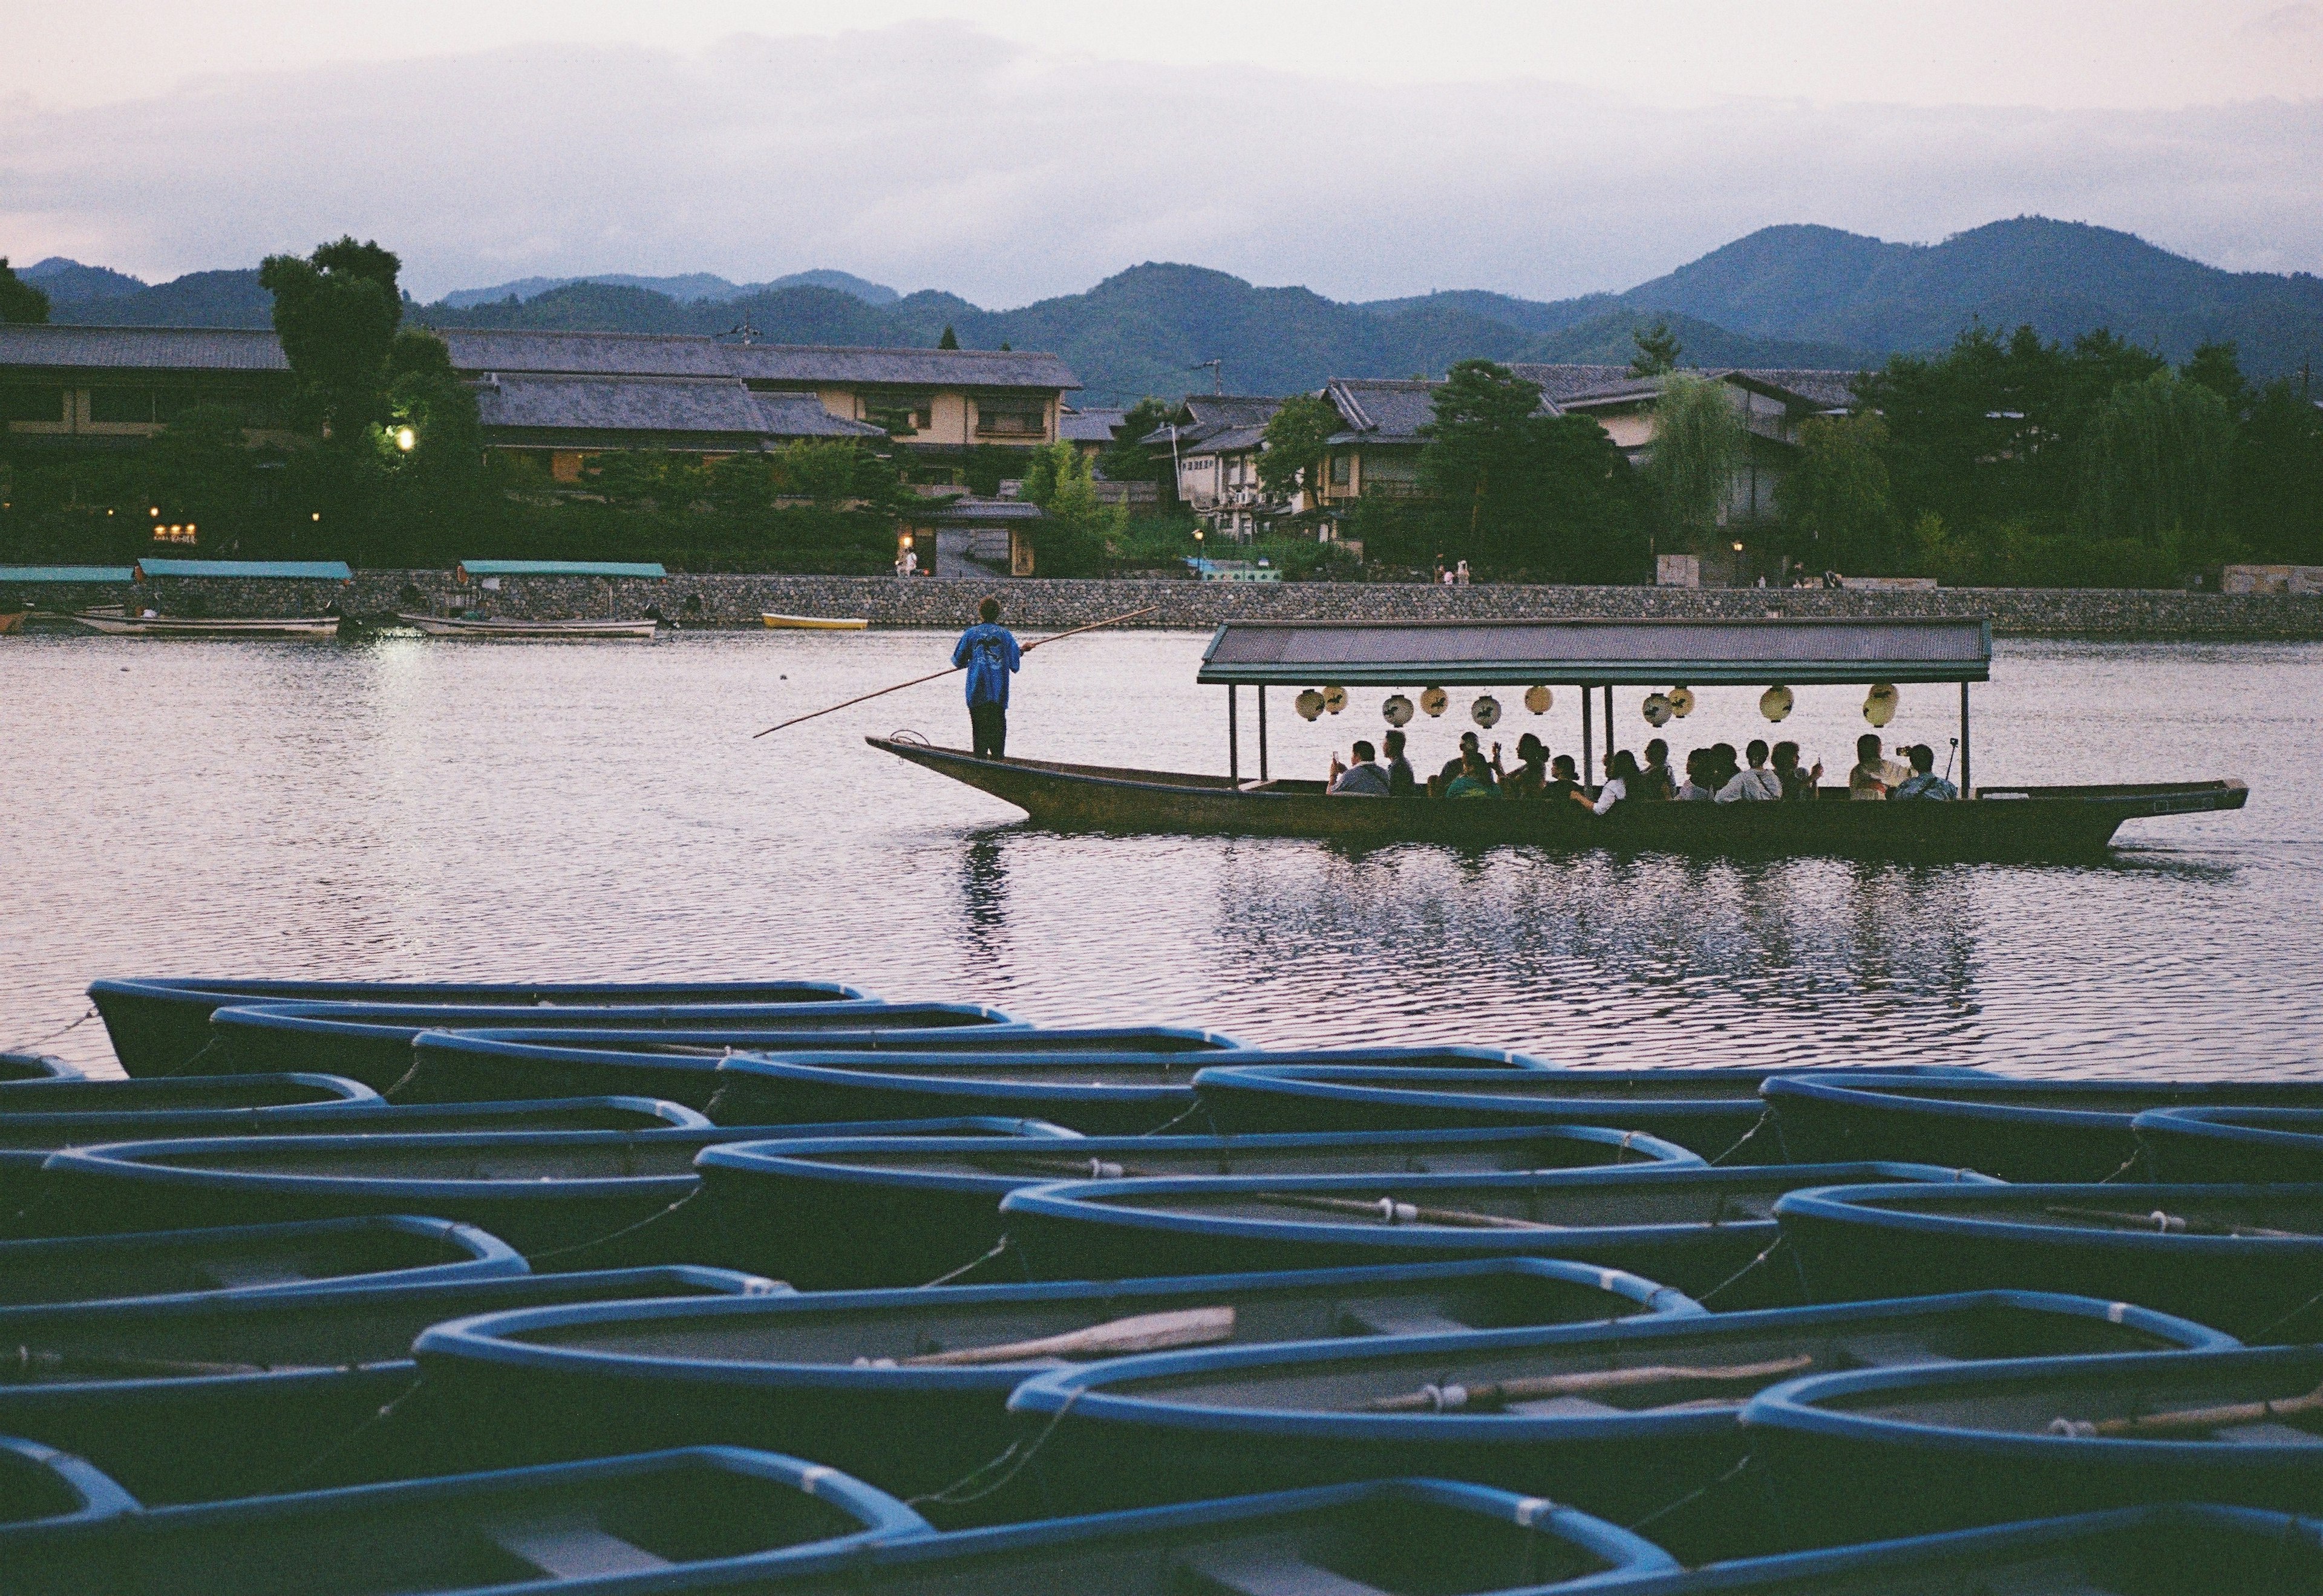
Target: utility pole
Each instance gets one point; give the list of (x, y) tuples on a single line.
[(1217, 370)]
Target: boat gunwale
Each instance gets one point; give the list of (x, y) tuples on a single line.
[(1845, 1205), (101, 1496), (383, 1117), (1896, 1095)]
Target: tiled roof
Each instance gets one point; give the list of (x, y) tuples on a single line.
[(1210, 414), (1576, 386), (621, 404), (1830, 389), (1379, 410), (1089, 427), (802, 416), (1227, 442), (811, 363), (157, 349), (975, 511), (610, 354), (1560, 383)]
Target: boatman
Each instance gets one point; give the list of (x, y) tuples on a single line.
[(989, 653)]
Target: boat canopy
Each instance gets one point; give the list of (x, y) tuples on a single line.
[(1592, 653), (468, 568), (76, 573), (247, 570)]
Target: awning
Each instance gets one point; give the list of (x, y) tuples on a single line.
[(82, 573), (468, 568), (1650, 653), (248, 570)]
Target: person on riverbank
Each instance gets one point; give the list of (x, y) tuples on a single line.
[(1924, 783), (1873, 777), (1362, 779), (989, 652), (1757, 784), (1401, 782)]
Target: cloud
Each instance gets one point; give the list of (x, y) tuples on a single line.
[(932, 155)]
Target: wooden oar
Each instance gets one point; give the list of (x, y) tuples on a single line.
[(26, 1363), (2173, 1223), (936, 676), (1446, 1398), (2193, 1418), (1392, 1212), (1145, 1332)]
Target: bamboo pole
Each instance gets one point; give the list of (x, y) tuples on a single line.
[(2163, 1224), (1144, 1332), (1392, 1212), (2184, 1419), (1447, 1398)]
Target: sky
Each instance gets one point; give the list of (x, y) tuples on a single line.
[(1019, 148)]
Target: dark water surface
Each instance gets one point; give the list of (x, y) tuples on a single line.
[(408, 808)]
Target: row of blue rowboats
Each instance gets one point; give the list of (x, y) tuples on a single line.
[(774, 1286)]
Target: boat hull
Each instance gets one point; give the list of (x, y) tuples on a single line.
[(2235, 1146), (41, 1485), (32, 1066), (537, 631), (2015, 823), (812, 623), (269, 629)]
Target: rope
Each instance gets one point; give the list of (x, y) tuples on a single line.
[(654, 1218), (291, 1481), (1773, 1249), (1766, 1115), (950, 1275), (2130, 1163), (967, 1489), (1691, 1497), (87, 1015), (1179, 1120), (401, 1081), (2264, 1331), (184, 1065)]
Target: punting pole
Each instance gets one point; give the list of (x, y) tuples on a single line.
[(1261, 731), (1588, 750), (1233, 738), (1967, 788)]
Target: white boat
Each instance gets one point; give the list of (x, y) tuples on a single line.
[(453, 626), (117, 621), (813, 623)]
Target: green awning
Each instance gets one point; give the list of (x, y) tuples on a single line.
[(471, 568), (248, 570), (81, 573)]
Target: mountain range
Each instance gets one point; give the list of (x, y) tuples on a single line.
[(1784, 296)]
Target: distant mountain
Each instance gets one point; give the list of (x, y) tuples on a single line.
[(1526, 316), (60, 279), (691, 288), (1609, 339), (198, 300)]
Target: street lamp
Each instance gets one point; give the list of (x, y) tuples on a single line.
[(405, 439)]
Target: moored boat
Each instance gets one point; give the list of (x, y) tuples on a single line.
[(199, 1398), (812, 623), (619, 1524), (1621, 1419), (12, 621), (868, 1212), (1975, 1443), (117, 621), (32, 1067), (38, 1484), (2239, 1145), (1709, 1232), (25, 1101), (507, 629), (2248, 1259), (907, 1389)]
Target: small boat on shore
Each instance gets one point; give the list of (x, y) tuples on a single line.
[(1975, 1443), (119, 621), (908, 1388), (1619, 1419), (2248, 1259), (812, 623), (382, 1250), (869, 1211), (1708, 1231), (34, 1066), (199, 1398), (12, 621), (30, 1101), (502, 628), (2243, 1146)]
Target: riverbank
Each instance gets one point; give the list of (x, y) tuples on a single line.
[(738, 600)]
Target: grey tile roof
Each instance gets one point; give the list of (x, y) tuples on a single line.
[(1567, 386), (156, 349), (811, 363), (1563, 384), (802, 416), (611, 354), (979, 512), (1227, 442), (1208, 414), (621, 404), (1089, 427), (1380, 410), (1827, 390)]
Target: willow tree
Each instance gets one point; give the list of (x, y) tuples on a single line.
[(1834, 499), (2157, 462), (1699, 441)]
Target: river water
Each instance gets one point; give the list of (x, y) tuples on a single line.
[(408, 808)]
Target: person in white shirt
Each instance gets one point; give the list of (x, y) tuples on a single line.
[(1621, 770), (1757, 784), (1363, 779)]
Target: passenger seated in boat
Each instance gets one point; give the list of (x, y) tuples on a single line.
[(1757, 784), (1923, 782), (1621, 770), (1530, 777), (1563, 780), (1873, 777), (1363, 779), (1724, 765), (1797, 784), (1655, 783), (1457, 764), (1400, 783), (1474, 780), (1697, 788)]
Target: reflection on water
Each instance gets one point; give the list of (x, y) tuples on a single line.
[(422, 809)]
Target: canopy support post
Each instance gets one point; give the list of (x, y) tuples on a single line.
[(1261, 731), (1608, 722), (1966, 787), (1234, 737), (1588, 751)]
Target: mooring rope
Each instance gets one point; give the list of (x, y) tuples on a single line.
[(967, 1489), (615, 1235), (184, 1065), (1691, 1497), (1766, 1116), (2260, 1335), (950, 1275), (86, 1015), (1178, 1120), (2134, 1159), (386, 1412), (1774, 1247)]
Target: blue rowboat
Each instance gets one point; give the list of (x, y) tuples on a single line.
[(40, 1484), (372, 1043), (30, 1066), (2019, 1130), (666, 1520), (587, 1199), (1951, 1448), (2240, 1146), (1701, 1230), (247, 1259), (158, 1024), (878, 1212), (2248, 1259), (199, 1398), (2176, 1550), (1385, 1536), (1618, 1419), (834, 1373), (1712, 1112), (682, 1064), (191, 1094)]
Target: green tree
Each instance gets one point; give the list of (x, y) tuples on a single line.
[(2279, 475), (1699, 441), (336, 313), (20, 301), (951, 339), (2156, 461), (1078, 535), (1296, 437), (1657, 350), (1478, 459), (1834, 497), (2218, 367), (1126, 459), (196, 470)]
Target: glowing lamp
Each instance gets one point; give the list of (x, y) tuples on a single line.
[(405, 439)]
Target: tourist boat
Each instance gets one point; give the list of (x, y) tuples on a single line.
[(812, 623), (1401, 1536), (2019, 1130), (682, 1064), (1619, 1419), (2181, 1549), (1535, 656), (116, 621), (41, 1485), (201, 1398), (372, 1043), (1701, 1230), (2248, 1259), (159, 1023), (1097, 1094), (875, 1211), (2239, 1145), (34, 1066), (381, 1249), (595, 1199), (908, 1388), (620, 1523), (503, 629), (1973, 1443)]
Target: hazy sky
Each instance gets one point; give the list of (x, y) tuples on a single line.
[(1022, 148)]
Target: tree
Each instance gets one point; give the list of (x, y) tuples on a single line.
[(1127, 459), (1477, 461), (1296, 437), (20, 301), (2279, 475), (336, 313), (2218, 367), (1657, 350), (1698, 444), (951, 339), (1834, 499), (2156, 463), (1076, 533)]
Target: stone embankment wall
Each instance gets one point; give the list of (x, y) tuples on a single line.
[(1038, 605)]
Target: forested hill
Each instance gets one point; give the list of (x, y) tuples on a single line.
[(1790, 296)]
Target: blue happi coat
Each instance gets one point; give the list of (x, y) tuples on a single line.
[(990, 653)]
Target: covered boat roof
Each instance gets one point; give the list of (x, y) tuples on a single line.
[(9, 573), (558, 568), (1655, 653), (296, 570)]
